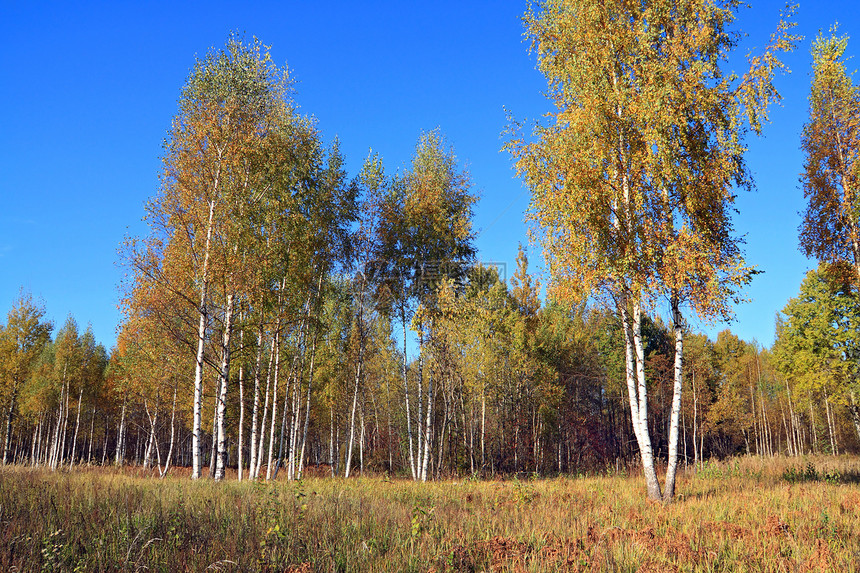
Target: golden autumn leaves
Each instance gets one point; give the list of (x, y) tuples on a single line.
[(633, 179)]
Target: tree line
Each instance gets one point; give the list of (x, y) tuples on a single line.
[(349, 323)]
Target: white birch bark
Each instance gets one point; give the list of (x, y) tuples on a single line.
[(637, 393), (261, 444), (348, 466), (77, 425), (241, 410), (428, 429), (221, 461), (672, 467), (120, 437), (255, 431), (855, 412), (274, 402), (147, 456), (172, 435), (409, 436), (308, 404), (203, 310), (92, 434)]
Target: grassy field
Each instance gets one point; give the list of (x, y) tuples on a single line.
[(741, 515)]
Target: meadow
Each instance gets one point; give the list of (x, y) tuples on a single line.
[(744, 514)]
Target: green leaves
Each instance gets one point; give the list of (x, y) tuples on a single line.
[(818, 340)]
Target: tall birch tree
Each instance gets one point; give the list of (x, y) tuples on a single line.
[(830, 230), (22, 340), (233, 99), (633, 183)]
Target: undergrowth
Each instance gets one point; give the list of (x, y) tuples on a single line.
[(742, 515)]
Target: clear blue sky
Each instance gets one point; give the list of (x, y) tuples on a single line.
[(88, 89)]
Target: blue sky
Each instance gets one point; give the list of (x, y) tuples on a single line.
[(89, 89)]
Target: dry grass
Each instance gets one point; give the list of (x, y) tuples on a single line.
[(744, 515)]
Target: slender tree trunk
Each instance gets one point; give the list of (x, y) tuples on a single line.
[(147, 456), (92, 434), (62, 456), (260, 445), (788, 441), (241, 408), (796, 436), (172, 435), (420, 438), (120, 437), (284, 417), (483, 426), (831, 425), (428, 428), (695, 420), (308, 401), (55, 447), (672, 467), (855, 412), (358, 367), (221, 462), (77, 425), (331, 440), (255, 432), (8, 440), (203, 310), (812, 425), (274, 402), (410, 438), (34, 449), (361, 443)]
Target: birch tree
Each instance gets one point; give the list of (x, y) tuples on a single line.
[(818, 346), (830, 230), (22, 340), (633, 183), (233, 99)]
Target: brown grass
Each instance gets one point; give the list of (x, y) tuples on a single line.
[(743, 515)]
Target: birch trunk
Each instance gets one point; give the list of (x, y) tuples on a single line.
[(92, 434), (37, 432), (55, 446), (172, 435), (428, 427), (855, 413), (409, 436), (812, 424), (274, 401), (308, 405), (147, 456), (77, 425), (260, 446), (672, 467), (8, 440), (638, 394), (255, 432), (203, 311), (241, 409), (304, 437), (62, 455), (348, 466), (695, 420), (221, 462), (120, 437), (831, 425)]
